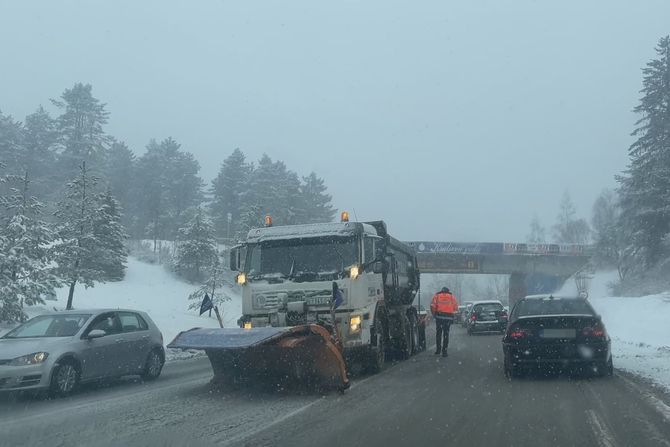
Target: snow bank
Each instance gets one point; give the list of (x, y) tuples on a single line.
[(639, 328), (640, 331), (149, 288)]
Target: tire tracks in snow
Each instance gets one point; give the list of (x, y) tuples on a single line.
[(602, 433)]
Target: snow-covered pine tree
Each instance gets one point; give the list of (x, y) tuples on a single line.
[(120, 179), (41, 143), (81, 129), (168, 184), (196, 249), (27, 270), (315, 201), (12, 145), (607, 236), (645, 185), (79, 250), (227, 191), (292, 208), (569, 229), (263, 189), (252, 217), (537, 233), (109, 232), (213, 286)]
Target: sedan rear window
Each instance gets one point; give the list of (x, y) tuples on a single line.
[(50, 326), (553, 306), (493, 307)]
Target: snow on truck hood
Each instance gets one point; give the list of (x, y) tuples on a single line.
[(309, 230)]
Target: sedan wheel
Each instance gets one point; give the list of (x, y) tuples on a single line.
[(153, 366), (605, 369), (511, 370), (65, 379)]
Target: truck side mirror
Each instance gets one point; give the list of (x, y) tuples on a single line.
[(234, 253), (378, 267)]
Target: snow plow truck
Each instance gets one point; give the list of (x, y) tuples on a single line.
[(316, 298)]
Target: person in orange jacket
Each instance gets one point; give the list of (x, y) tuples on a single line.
[(443, 307)]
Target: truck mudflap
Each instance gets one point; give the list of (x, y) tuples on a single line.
[(306, 354)]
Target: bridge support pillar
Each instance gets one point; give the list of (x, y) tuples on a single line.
[(517, 288)]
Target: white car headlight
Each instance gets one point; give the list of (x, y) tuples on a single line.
[(31, 359)]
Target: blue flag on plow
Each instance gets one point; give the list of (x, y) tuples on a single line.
[(206, 304), (338, 299)]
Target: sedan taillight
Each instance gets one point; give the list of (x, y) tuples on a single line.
[(595, 331), (517, 333)]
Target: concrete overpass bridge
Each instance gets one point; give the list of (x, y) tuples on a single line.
[(522, 262)]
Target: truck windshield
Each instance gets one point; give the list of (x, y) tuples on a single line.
[(307, 255)]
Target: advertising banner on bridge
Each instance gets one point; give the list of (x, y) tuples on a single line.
[(489, 248), (474, 248)]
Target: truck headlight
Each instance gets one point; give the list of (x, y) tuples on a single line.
[(354, 272), (31, 359), (355, 323), (242, 278)]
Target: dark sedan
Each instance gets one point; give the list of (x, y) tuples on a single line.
[(558, 332), (486, 316)]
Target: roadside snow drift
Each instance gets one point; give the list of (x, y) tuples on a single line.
[(640, 334)]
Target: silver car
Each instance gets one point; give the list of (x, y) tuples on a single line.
[(58, 351)]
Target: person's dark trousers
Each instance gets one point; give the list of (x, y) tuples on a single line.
[(442, 334)]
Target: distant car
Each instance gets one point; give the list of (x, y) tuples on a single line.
[(58, 351), (556, 331), (460, 314), (466, 313), (486, 316)]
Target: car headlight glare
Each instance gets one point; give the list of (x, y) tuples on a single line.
[(355, 323), (31, 359), (241, 278)]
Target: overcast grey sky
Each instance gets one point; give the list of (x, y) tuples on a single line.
[(449, 120)]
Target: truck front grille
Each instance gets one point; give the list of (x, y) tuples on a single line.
[(275, 300)]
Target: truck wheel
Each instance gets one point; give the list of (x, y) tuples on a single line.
[(377, 355), (422, 338), (414, 331), (405, 349)]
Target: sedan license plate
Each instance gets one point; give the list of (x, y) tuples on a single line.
[(558, 333)]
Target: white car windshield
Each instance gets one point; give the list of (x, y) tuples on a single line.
[(50, 326)]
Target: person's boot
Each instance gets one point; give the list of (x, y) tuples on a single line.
[(444, 353), (437, 351)]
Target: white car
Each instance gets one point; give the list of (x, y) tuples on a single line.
[(58, 351)]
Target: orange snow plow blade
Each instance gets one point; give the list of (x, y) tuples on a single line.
[(307, 354)]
